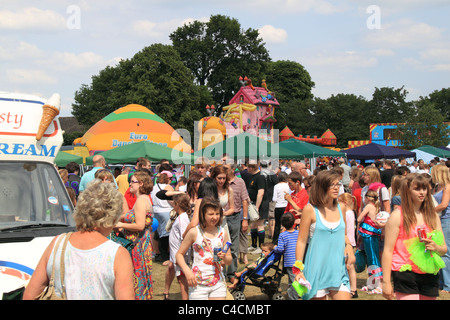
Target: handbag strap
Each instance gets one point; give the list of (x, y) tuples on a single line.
[(61, 266), (52, 277)]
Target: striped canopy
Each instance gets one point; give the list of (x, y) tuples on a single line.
[(130, 124)]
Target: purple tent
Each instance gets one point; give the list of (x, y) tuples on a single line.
[(373, 151)]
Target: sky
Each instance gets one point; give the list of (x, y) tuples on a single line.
[(347, 46)]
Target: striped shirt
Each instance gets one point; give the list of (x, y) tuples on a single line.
[(240, 193), (287, 242)]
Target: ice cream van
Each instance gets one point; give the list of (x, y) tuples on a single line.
[(34, 203)]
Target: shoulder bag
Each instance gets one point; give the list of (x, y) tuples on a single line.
[(253, 213), (49, 292), (119, 237)]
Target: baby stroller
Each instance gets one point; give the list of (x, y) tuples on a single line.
[(259, 277)]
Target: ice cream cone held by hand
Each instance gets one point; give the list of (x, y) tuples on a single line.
[(50, 111)]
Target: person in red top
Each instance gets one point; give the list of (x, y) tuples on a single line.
[(299, 197), (131, 198)]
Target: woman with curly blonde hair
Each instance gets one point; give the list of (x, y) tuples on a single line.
[(96, 268)]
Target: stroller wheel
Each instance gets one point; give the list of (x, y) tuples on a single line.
[(278, 296), (238, 295)]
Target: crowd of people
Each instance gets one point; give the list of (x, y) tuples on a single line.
[(389, 219)]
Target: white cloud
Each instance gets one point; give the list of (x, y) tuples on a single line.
[(427, 65), (322, 7), (404, 33), (270, 34), (348, 60), (29, 76), (20, 51), (31, 19), (63, 61), (436, 54), (145, 28), (159, 31), (383, 52)]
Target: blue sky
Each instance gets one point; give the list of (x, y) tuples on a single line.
[(347, 46)]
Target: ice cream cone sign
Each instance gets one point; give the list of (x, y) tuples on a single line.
[(50, 111)]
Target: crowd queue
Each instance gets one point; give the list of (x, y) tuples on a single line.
[(389, 219)]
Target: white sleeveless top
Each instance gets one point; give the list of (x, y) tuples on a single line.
[(206, 272), (223, 199), (158, 204), (89, 274)]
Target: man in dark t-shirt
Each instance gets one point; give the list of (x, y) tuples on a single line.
[(256, 191), (387, 173)]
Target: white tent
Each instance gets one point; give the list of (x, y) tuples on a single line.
[(425, 156)]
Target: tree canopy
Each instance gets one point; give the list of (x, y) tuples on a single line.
[(156, 78), (219, 51)]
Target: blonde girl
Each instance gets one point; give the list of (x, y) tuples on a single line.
[(395, 191), (371, 175), (371, 208), (441, 178), (410, 273), (370, 231), (350, 202)]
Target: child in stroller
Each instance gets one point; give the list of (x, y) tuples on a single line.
[(256, 274)]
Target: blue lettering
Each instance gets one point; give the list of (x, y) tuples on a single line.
[(137, 136), (31, 149), (27, 150), (18, 149), (48, 153), (4, 148)]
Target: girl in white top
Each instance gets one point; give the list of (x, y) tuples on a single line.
[(206, 280), (181, 204), (279, 191), (95, 268)]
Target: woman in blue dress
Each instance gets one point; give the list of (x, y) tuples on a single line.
[(323, 228)]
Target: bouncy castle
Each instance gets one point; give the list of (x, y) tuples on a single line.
[(251, 110), (327, 139)]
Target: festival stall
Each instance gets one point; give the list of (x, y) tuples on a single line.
[(437, 152), (373, 151), (309, 150), (425, 156), (63, 158), (154, 152), (246, 146)]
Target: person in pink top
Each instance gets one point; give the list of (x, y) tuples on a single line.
[(411, 261)]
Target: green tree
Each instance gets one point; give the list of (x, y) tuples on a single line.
[(218, 52), (156, 78), (292, 86), (389, 105), (425, 127), (344, 114), (441, 101)]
